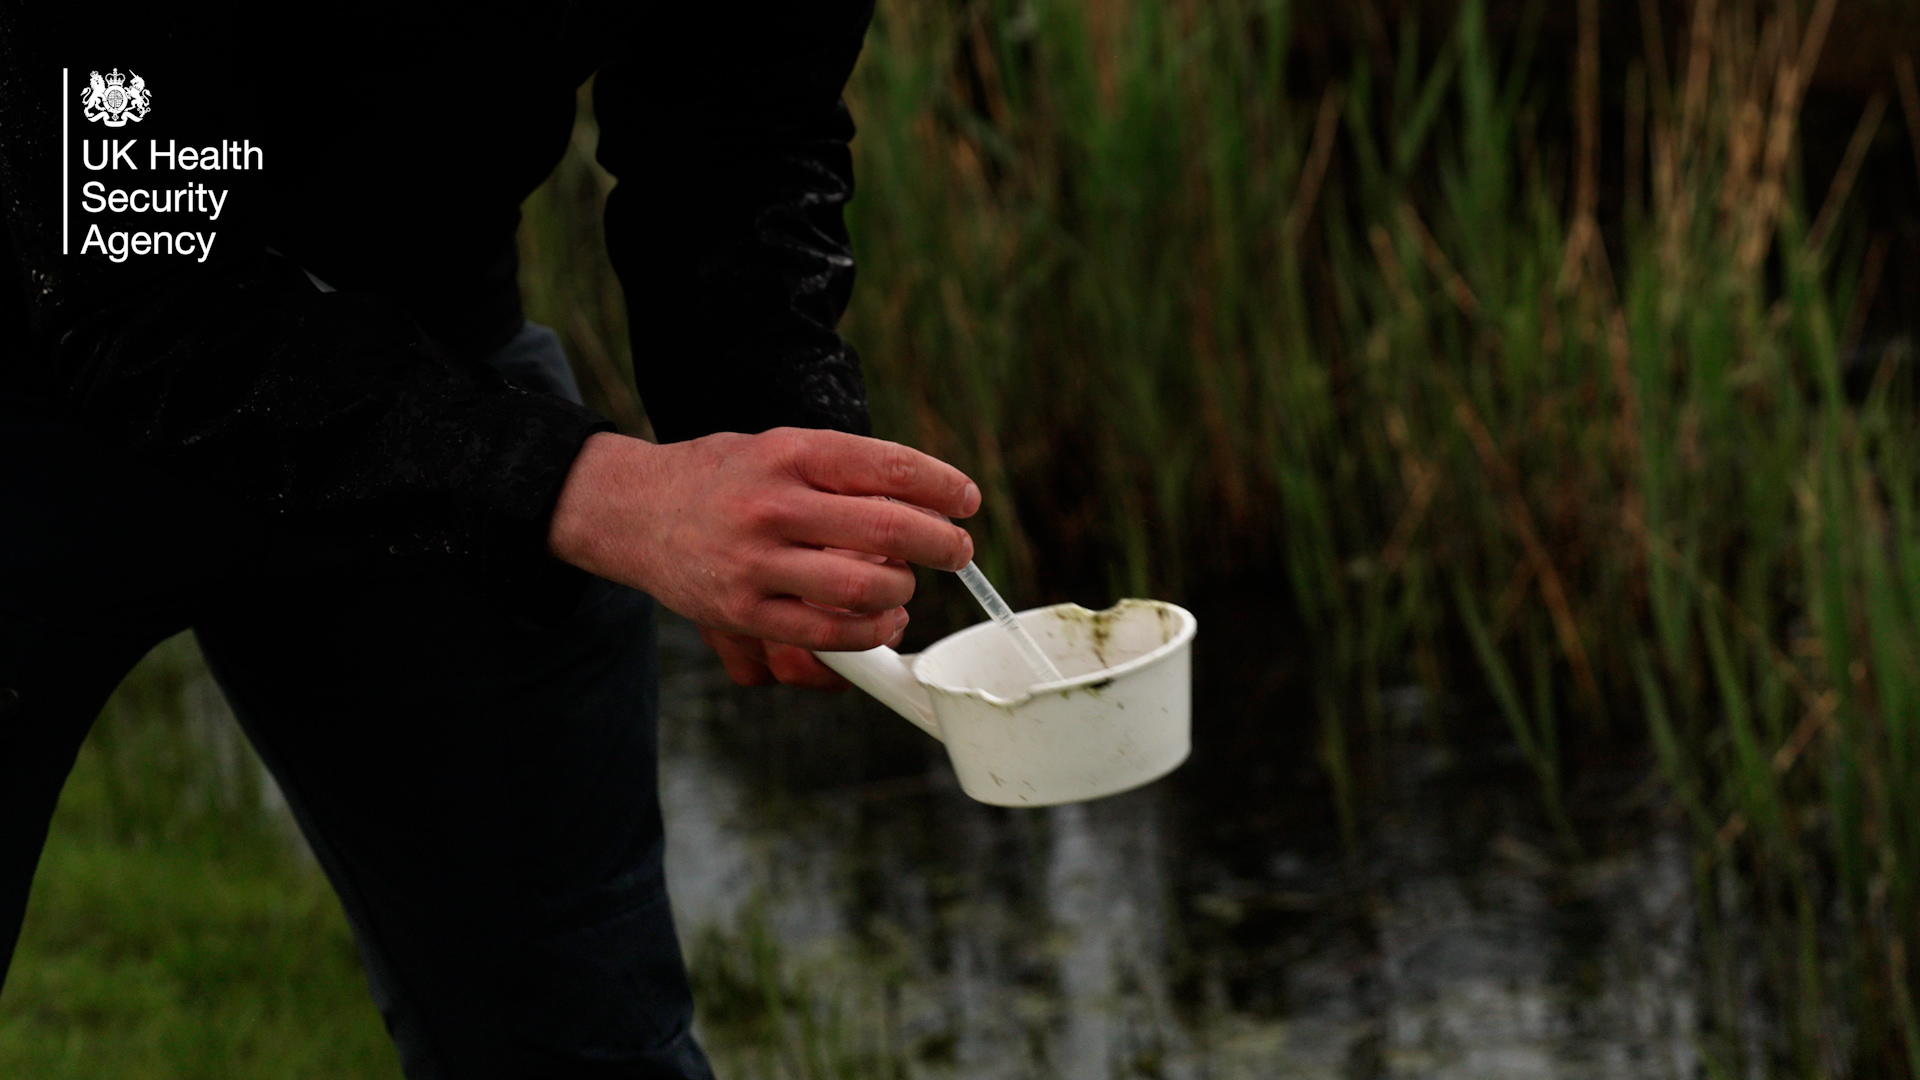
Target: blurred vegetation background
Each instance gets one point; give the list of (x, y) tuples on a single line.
[(1532, 353), (1638, 475), (1538, 354)]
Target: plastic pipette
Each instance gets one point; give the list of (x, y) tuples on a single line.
[(983, 591), (989, 598)]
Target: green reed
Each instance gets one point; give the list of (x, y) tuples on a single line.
[(767, 1014), (1187, 317)]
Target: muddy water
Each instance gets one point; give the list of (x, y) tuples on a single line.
[(1210, 926)]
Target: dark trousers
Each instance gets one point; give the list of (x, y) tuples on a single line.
[(480, 790)]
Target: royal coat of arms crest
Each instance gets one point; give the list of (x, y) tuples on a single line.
[(113, 100)]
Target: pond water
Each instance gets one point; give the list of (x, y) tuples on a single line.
[(1213, 925)]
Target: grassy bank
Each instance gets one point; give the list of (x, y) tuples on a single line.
[(175, 932)]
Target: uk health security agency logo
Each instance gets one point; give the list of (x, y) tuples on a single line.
[(114, 100), (124, 196)]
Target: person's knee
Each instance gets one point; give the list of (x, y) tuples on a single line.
[(610, 993)]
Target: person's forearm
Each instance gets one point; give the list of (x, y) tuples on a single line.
[(731, 247), (328, 411)]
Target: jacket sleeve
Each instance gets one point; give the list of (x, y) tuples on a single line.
[(327, 409), (730, 146)]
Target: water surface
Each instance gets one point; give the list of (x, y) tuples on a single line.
[(1212, 925)]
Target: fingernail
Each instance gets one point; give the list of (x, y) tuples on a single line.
[(900, 618), (970, 498)]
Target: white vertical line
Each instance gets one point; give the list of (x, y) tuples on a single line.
[(66, 163)]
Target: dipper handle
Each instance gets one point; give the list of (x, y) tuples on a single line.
[(888, 677)]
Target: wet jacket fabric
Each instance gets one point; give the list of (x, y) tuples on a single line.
[(395, 143)]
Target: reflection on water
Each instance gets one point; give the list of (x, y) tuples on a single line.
[(1210, 926)]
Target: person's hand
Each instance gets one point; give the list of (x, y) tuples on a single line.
[(752, 661), (771, 537)]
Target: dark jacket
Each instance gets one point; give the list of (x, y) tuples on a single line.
[(397, 140)]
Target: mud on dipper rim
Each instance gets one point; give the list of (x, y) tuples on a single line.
[(1184, 633)]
